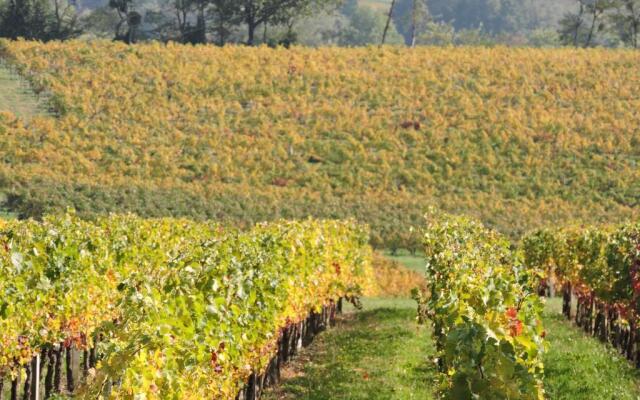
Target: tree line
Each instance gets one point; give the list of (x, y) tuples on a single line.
[(188, 21), (583, 23), (580, 23), (602, 22)]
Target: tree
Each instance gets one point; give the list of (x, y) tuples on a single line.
[(627, 21), (349, 7), (100, 22), (321, 29), (543, 38), (258, 12), (38, 20), (128, 18), (225, 15), (188, 31), (366, 26), (572, 24), (182, 10), (583, 25), (438, 34), (596, 8), (23, 18), (389, 17), (419, 18), (65, 20)]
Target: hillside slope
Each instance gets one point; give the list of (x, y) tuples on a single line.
[(519, 138)]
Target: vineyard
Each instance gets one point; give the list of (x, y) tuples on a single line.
[(598, 268), (516, 138), (123, 307), (166, 308), (181, 221)]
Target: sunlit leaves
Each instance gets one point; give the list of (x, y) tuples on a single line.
[(184, 310), (518, 138), (485, 312), (599, 260)]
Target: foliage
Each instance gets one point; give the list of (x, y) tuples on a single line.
[(601, 261), (38, 19), (366, 26), (512, 22), (184, 310), (485, 312), (411, 18), (391, 279), (602, 23), (518, 138)]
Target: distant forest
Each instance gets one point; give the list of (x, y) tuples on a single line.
[(580, 23)]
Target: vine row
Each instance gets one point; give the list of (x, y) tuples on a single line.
[(598, 271), (122, 306), (486, 313)]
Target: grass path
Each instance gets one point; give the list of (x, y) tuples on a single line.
[(16, 95), (579, 367), (380, 353), (415, 263)]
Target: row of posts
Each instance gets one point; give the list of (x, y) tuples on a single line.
[(292, 339), (605, 322), (50, 364)]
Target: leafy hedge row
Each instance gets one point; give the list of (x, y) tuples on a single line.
[(601, 260), (485, 312), (392, 279), (600, 267), (177, 309)]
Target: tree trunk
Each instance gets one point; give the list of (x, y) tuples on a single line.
[(252, 33), (596, 14), (414, 22), (69, 365), (57, 372), (14, 388), (221, 35), (57, 15), (201, 25), (93, 357), (578, 25), (48, 379), (85, 362), (386, 27), (26, 393), (566, 300), (250, 20)]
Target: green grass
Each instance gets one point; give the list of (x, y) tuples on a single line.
[(413, 262), (378, 353), (579, 367), (381, 5), (16, 95)]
